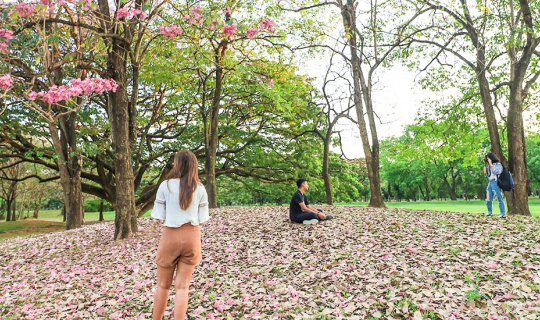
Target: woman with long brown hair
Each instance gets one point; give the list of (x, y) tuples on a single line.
[(182, 203)]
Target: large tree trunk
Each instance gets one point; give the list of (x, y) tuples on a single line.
[(210, 154), (518, 201), (73, 195), (211, 134), (124, 202), (70, 172), (517, 164), (376, 200), (371, 152), (325, 173)]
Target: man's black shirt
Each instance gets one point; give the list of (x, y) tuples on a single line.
[(294, 208)]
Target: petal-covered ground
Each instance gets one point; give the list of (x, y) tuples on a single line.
[(364, 264)]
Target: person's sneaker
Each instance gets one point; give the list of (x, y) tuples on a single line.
[(328, 216), (503, 217), (489, 214), (312, 221)]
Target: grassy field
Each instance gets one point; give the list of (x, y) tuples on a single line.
[(467, 206), (48, 221), (55, 215), (28, 227)]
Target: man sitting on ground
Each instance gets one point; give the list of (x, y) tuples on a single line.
[(300, 211)]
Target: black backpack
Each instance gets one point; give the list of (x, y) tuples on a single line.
[(505, 180)]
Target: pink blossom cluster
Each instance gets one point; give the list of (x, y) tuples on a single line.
[(268, 25), (77, 87), (195, 16), (170, 31), (25, 9), (229, 29), (6, 36), (126, 12), (252, 32), (6, 82)]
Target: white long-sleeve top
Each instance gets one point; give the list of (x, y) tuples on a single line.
[(167, 205)]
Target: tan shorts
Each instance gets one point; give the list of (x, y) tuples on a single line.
[(179, 245)]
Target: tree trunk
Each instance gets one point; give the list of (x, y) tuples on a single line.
[(101, 211), (422, 192), (211, 134), (428, 193), (371, 152), (8, 209), (518, 201), (124, 202), (451, 187), (70, 172), (325, 174)]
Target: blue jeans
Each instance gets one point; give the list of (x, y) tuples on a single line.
[(492, 190)]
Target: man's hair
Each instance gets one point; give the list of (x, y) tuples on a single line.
[(299, 182)]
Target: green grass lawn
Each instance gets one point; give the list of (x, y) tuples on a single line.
[(48, 221), (28, 227), (470, 206), (55, 215)]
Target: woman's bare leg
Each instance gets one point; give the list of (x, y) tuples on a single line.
[(181, 283), (164, 281)]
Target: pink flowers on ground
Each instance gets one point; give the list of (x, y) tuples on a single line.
[(493, 265), (219, 305), (229, 29), (170, 31), (76, 88), (268, 25), (3, 47), (271, 84), (252, 32), (410, 249), (25, 10), (6, 82)]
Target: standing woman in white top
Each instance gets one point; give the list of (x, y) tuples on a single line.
[(182, 203)]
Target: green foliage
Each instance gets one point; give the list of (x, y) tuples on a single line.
[(93, 205)]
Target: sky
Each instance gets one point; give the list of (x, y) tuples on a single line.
[(396, 96)]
